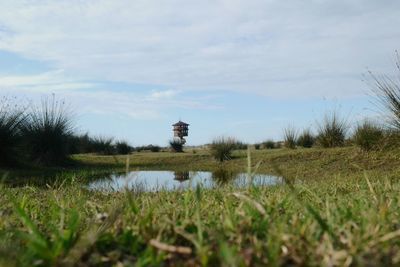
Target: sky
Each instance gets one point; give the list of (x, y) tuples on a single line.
[(241, 68)]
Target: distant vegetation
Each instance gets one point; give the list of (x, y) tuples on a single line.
[(269, 144)]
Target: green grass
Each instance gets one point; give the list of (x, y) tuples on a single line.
[(340, 207)]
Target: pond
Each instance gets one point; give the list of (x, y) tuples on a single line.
[(151, 181)]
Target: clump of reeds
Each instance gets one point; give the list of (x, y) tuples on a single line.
[(222, 147), (11, 119), (269, 144), (290, 137), (332, 131), (306, 139), (122, 147), (176, 145), (239, 145), (387, 93), (102, 145), (80, 143), (46, 132), (368, 135)]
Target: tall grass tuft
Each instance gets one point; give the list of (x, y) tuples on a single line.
[(368, 136), (176, 145), (102, 145), (290, 137), (221, 148), (47, 131), (306, 139), (80, 144), (332, 131), (11, 118), (387, 92), (123, 147), (269, 144)]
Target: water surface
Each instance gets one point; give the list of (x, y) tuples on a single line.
[(151, 181)]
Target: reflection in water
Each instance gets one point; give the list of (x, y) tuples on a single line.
[(223, 176), (181, 176), (151, 181)]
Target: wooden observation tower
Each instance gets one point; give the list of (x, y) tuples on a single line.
[(181, 129)]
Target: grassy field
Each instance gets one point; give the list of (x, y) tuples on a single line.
[(339, 207)]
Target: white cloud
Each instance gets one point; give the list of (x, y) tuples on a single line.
[(274, 47), (52, 81), (167, 94)]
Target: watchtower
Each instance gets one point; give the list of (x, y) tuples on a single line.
[(181, 129)]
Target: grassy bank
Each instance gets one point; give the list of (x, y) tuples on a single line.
[(343, 210), (301, 163)]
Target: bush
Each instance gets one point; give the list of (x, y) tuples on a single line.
[(368, 136), (306, 139), (80, 144), (387, 92), (123, 148), (176, 145), (290, 137), (46, 133), (240, 145), (332, 131), (269, 144), (257, 146), (222, 147), (11, 119), (391, 139), (154, 148), (102, 145)]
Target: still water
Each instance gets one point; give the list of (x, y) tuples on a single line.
[(151, 181)]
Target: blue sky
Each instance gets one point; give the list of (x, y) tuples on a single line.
[(130, 69)]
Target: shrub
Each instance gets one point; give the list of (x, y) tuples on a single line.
[(240, 145), (154, 148), (332, 131), (387, 92), (80, 144), (11, 119), (47, 131), (222, 147), (176, 145), (290, 137), (391, 139), (123, 148), (269, 144), (368, 135), (306, 139), (102, 145), (257, 146)]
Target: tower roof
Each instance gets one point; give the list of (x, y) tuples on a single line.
[(180, 123)]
